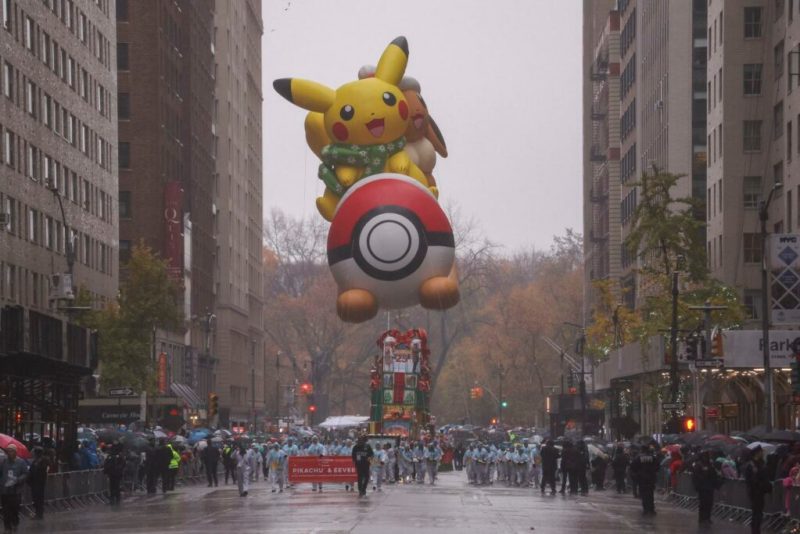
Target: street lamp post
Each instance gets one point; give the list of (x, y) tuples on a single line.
[(763, 216), (501, 374), (277, 387)]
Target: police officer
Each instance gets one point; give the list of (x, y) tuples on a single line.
[(549, 466), (644, 469)]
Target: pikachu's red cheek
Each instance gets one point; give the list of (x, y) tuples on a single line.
[(403, 108), (340, 131)]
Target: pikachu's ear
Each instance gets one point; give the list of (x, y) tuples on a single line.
[(308, 95), (392, 64)]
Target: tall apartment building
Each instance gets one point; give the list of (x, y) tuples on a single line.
[(601, 124), (166, 164), (58, 193), (242, 369), (656, 71), (753, 121)]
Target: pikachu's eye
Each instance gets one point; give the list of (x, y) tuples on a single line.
[(389, 99), (347, 112)]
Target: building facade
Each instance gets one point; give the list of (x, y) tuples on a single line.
[(166, 165), (242, 368), (58, 202)]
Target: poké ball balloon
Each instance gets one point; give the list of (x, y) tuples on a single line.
[(390, 245)]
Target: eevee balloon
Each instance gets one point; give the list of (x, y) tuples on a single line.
[(366, 119)]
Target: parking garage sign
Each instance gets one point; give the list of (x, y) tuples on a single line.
[(784, 266)]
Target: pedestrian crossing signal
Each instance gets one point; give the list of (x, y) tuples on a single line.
[(494, 420), (689, 424), (312, 408), (306, 388)]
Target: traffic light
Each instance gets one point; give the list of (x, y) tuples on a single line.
[(18, 417), (476, 392), (213, 405), (306, 388), (691, 348), (312, 408), (688, 424), (716, 344), (494, 420), (571, 389), (504, 404)]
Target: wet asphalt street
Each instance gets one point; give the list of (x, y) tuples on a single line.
[(450, 506)]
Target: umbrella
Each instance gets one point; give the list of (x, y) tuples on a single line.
[(198, 434), (723, 438), (768, 447), (85, 434), (108, 435), (22, 450), (178, 439), (135, 442), (216, 439), (159, 434), (781, 435)]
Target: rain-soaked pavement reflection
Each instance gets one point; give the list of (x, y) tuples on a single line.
[(450, 506)]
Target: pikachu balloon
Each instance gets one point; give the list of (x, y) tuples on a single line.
[(390, 244)]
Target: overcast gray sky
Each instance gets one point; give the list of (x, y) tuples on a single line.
[(502, 78)]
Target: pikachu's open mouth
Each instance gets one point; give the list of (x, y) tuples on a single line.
[(375, 127)]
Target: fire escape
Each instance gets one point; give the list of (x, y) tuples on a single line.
[(599, 196)]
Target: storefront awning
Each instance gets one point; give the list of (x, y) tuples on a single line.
[(189, 396)]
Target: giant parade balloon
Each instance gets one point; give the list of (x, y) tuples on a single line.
[(390, 244)]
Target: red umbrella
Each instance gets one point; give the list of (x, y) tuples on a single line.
[(22, 450)]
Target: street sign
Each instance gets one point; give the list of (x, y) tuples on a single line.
[(121, 392), (712, 412), (669, 406), (700, 364)]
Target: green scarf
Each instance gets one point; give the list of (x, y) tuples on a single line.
[(371, 157)]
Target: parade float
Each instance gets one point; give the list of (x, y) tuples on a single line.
[(400, 384), (390, 244)]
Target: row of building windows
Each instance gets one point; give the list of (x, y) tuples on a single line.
[(80, 25), (66, 68), (628, 35), (714, 200), (38, 228), (714, 36), (627, 123), (628, 206), (39, 166), (628, 164), (714, 91), (37, 103), (628, 77), (31, 289), (714, 144)]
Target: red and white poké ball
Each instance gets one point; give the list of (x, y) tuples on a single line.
[(391, 246)]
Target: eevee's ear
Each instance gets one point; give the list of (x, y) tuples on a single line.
[(308, 95), (434, 135), (392, 64)]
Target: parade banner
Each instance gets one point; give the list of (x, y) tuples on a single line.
[(334, 469)]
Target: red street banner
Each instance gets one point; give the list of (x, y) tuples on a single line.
[(339, 469)]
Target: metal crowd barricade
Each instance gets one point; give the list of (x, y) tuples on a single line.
[(69, 489), (732, 502)]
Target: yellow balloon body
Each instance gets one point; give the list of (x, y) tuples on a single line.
[(363, 113)]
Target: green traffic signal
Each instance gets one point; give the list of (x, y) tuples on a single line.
[(504, 404)]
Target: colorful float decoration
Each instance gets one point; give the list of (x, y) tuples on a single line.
[(400, 384), (390, 244)]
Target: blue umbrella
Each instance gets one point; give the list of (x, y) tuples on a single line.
[(198, 434)]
